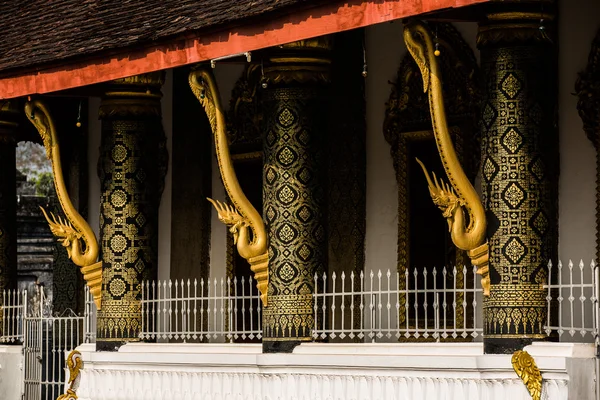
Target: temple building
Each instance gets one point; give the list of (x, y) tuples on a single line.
[(360, 199)]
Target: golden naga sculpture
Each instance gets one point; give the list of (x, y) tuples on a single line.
[(244, 221), (75, 365), (454, 199), (526, 368), (74, 232)]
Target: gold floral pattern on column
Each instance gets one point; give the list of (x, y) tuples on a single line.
[(131, 166), (520, 175), (293, 208)]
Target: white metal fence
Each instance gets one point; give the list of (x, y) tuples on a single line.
[(47, 341), (46, 338), (435, 304), (12, 311), (212, 310), (575, 295), (431, 304)]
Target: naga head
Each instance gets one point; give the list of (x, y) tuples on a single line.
[(37, 113), (231, 217), (443, 195), (420, 45), (203, 85), (64, 231)]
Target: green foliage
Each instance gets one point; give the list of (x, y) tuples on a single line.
[(44, 184)]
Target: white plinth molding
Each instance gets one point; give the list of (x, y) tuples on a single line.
[(327, 371)]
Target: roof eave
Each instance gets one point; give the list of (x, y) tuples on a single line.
[(305, 23)]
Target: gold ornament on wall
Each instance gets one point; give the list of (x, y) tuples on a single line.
[(526, 368), (74, 232), (458, 200), (244, 221)]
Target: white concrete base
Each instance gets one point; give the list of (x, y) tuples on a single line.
[(329, 371), (11, 372)]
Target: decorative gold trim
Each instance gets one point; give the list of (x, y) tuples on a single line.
[(460, 195), (75, 365), (516, 15), (242, 217), (156, 79), (137, 95), (525, 367), (74, 232), (516, 336), (303, 61), (255, 155)]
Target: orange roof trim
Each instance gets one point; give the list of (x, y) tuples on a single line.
[(304, 24)]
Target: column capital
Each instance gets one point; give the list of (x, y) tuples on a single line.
[(137, 96), (512, 26), (301, 62)]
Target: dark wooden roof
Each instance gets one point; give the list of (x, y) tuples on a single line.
[(36, 32)]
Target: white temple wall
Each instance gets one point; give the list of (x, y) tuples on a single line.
[(385, 49), (164, 211), (578, 23), (94, 136), (226, 76)]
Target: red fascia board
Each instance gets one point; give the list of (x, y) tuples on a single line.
[(323, 20)]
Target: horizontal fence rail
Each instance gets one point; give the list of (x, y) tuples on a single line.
[(12, 311), (213, 310), (573, 301), (429, 303)]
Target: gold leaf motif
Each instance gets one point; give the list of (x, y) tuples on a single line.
[(286, 272), (286, 118), (514, 250), (489, 169), (512, 140), (286, 195), (525, 367), (286, 156), (513, 195), (286, 233), (511, 85), (304, 252)]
